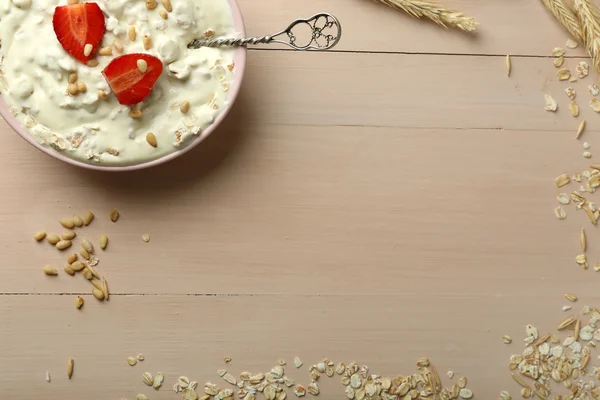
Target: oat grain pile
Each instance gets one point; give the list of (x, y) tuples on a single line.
[(561, 364), (357, 383)]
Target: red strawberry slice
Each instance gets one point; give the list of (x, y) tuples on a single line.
[(127, 80), (76, 25)]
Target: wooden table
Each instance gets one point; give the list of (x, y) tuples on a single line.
[(385, 201)]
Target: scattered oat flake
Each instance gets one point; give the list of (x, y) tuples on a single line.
[(571, 44), (562, 180), (563, 198), (550, 103), (570, 297), (558, 51), (582, 69), (504, 395), (506, 339), (48, 378), (566, 308), (297, 362), (563, 74), (570, 92), (587, 154), (560, 213), (227, 359), (595, 104), (146, 238), (558, 62), (574, 108)]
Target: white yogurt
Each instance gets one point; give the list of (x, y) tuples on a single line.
[(85, 127)]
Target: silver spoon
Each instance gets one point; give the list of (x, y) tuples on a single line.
[(326, 32)]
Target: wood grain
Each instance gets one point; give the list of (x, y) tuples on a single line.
[(190, 335), (382, 202)]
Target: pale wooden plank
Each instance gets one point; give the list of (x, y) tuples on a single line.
[(299, 209), (412, 91), (190, 335), (506, 26), (409, 91)]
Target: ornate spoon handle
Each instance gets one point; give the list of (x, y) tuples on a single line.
[(326, 32)]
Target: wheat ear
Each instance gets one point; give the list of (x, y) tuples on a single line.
[(565, 16), (586, 11), (438, 14)]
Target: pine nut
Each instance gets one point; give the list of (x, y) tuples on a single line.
[(72, 89), (87, 245), (68, 235), (48, 270), (98, 294), (131, 33), (69, 270), (77, 221), (184, 107), (88, 274), (151, 4), (92, 63), (67, 223), (81, 86), (163, 14), (151, 139), (118, 46), (73, 77), (84, 253), (53, 238), (105, 51), (77, 266), (72, 258), (63, 244), (71, 2), (147, 41), (167, 5), (142, 65), (102, 95), (114, 215), (135, 113), (88, 217), (79, 302), (39, 236), (87, 49), (103, 242)]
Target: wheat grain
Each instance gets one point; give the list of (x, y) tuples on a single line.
[(436, 13), (565, 16), (587, 13)]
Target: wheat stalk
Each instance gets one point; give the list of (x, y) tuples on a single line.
[(565, 16), (586, 12), (438, 14)]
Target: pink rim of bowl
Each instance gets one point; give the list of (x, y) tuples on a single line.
[(240, 67)]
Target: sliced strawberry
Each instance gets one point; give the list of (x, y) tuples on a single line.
[(76, 25), (127, 81)]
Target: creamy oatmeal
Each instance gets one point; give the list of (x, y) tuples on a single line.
[(68, 105)]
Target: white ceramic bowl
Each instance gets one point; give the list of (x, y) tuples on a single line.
[(240, 66)]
